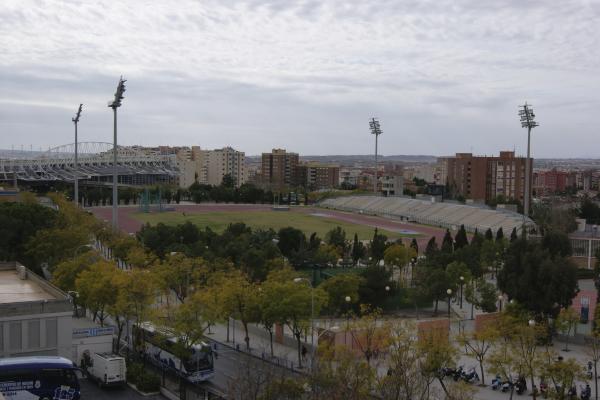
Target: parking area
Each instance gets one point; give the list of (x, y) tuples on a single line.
[(90, 390)]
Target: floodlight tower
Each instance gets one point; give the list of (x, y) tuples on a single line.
[(375, 130), (75, 176), (527, 121), (114, 104)]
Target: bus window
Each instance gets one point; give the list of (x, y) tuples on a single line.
[(70, 378)]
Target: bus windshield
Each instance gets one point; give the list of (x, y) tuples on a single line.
[(38, 377), (199, 360)]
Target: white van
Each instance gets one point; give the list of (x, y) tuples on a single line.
[(107, 369)]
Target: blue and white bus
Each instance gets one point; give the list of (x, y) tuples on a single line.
[(197, 366), (43, 378)]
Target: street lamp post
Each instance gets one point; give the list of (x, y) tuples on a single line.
[(462, 281), (114, 104), (375, 130), (348, 299), (449, 293), (75, 167), (527, 121)]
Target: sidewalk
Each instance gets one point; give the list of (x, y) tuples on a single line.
[(283, 355)]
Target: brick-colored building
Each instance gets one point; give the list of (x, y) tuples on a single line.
[(280, 168), (318, 176), (483, 178), (550, 182)]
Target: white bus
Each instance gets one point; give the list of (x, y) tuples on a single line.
[(197, 366)]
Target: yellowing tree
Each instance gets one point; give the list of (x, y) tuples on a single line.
[(95, 288), (240, 300)]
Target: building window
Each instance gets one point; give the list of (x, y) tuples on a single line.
[(14, 335), (34, 334), (51, 332)]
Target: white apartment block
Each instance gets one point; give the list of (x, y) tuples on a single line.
[(225, 161)]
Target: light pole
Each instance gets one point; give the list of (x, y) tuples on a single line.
[(375, 130), (462, 282), (527, 121), (114, 104), (348, 299), (449, 293), (75, 168)]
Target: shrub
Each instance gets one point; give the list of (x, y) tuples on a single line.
[(148, 382), (134, 371)]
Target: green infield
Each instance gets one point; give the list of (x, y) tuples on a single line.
[(276, 220)]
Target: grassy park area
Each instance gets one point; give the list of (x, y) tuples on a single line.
[(308, 223)]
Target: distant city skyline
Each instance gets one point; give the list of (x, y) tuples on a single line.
[(443, 76)]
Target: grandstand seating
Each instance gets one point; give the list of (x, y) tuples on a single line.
[(445, 215)]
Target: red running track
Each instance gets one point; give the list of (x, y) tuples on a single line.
[(129, 224)]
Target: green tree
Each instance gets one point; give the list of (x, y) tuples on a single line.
[(499, 235), (339, 287), (290, 240), (372, 291), (398, 256), (589, 210), (66, 273), (513, 235), (337, 238), (19, 223), (414, 245), (460, 239), (358, 250), (541, 283), (179, 275), (377, 247), (447, 242), (431, 248), (488, 234), (567, 320), (95, 288), (294, 305), (132, 297), (326, 254), (241, 300)]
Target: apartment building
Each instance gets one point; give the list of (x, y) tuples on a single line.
[(317, 176), (210, 166), (483, 178), (225, 161), (279, 168)]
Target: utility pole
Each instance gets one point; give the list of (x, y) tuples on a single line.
[(527, 121), (375, 130), (76, 171), (114, 104)]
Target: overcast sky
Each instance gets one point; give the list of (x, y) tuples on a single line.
[(442, 75)]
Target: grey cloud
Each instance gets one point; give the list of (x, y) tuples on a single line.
[(302, 74)]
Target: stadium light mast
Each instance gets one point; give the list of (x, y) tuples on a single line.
[(76, 171), (114, 104), (375, 130), (527, 121)]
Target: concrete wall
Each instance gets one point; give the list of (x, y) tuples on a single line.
[(52, 335), (41, 327)]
